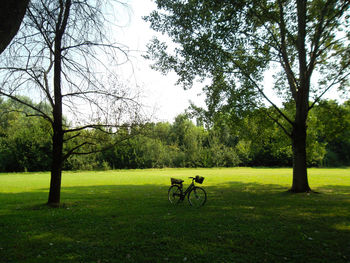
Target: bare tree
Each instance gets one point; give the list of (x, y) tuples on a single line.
[(63, 57)]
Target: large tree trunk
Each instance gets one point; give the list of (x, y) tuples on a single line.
[(57, 138), (300, 179), (58, 133), (11, 16), (56, 168)]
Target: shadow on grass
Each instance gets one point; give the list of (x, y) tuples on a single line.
[(135, 223)]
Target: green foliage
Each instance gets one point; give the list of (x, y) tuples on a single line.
[(248, 140), (25, 142), (333, 122)]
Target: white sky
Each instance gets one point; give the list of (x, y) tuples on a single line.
[(162, 98)]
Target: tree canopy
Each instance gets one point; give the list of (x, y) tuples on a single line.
[(304, 44)]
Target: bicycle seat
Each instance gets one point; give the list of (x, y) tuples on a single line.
[(176, 181)]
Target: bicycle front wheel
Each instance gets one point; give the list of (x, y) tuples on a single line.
[(197, 197), (174, 194)]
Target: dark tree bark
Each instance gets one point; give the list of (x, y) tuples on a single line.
[(299, 130), (300, 180), (11, 16), (58, 133), (57, 138)]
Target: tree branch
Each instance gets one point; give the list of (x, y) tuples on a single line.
[(42, 114), (247, 75), (96, 126), (279, 124), (71, 151), (336, 80), (285, 61), (99, 150)]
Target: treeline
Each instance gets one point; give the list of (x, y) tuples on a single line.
[(252, 139)]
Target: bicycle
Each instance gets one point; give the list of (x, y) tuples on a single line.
[(196, 195)]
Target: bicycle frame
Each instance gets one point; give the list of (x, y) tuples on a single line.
[(189, 188)]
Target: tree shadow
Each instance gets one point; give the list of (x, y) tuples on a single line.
[(249, 222)]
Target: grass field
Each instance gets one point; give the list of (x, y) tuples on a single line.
[(124, 216)]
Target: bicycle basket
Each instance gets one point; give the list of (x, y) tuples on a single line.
[(199, 179), (176, 181)]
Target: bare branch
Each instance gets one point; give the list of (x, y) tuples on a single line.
[(72, 137), (40, 112), (111, 146), (71, 151), (100, 127)]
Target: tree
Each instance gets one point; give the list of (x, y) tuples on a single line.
[(25, 142), (11, 16), (234, 43), (66, 41), (333, 123), (188, 138)]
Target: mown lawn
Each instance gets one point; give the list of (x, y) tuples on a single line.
[(124, 216)]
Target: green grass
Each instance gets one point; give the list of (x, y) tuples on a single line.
[(124, 216)]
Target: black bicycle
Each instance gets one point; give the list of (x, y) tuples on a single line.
[(196, 195)]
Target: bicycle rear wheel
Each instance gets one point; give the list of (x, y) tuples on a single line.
[(174, 194), (197, 197)]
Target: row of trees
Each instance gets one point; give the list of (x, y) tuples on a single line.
[(252, 140)]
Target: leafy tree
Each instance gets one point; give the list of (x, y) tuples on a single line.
[(29, 144), (25, 142), (333, 130), (234, 43), (219, 153), (188, 138)]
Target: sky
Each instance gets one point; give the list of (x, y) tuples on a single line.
[(162, 98)]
